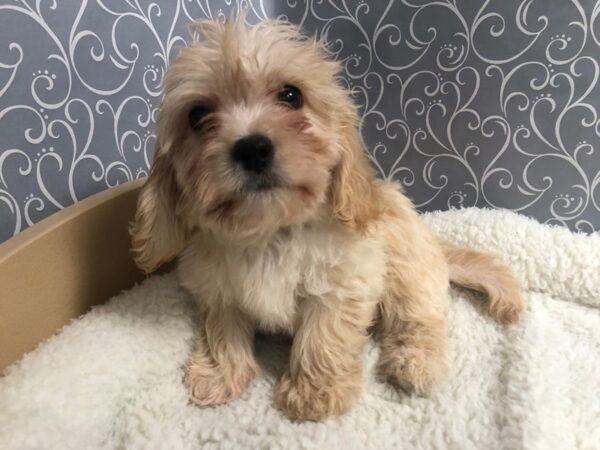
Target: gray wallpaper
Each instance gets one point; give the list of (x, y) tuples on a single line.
[(467, 102)]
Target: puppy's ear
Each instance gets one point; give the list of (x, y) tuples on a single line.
[(157, 233), (355, 196)]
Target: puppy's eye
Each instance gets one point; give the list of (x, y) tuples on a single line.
[(196, 115), (291, 96)]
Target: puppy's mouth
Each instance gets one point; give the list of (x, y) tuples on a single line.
[(252, 187), (260, 183)]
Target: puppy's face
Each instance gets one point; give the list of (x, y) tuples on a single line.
[(254, 138), (254, 134)]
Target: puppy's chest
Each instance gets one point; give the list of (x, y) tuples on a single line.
[(268, 283)]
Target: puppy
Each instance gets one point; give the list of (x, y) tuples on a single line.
[(261, 187)]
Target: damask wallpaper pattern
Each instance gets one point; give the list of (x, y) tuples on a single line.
[(467, 102)]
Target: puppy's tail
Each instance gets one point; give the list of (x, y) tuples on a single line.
[(482, 272)]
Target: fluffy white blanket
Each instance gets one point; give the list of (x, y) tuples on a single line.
[(113, 378)]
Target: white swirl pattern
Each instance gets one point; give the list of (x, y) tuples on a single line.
[(479, 103)]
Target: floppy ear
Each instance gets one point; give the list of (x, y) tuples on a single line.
[(355, 196), (157, 233)]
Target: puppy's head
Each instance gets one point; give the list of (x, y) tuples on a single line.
[(254, 134)]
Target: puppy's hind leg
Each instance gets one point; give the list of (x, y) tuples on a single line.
[(412, 327), (222, 364)]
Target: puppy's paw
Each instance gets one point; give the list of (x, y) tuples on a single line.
[(214, 386), (302, 399), (413, 370)]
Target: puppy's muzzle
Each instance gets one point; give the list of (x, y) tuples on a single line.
[(254, 153)]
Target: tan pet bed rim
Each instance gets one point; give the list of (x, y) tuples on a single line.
[(60, 267)]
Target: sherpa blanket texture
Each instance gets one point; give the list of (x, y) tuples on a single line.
[(113, 377)]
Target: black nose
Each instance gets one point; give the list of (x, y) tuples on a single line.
[(255, 153)]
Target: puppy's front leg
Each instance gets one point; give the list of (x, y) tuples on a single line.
[(222, 364), (324, 375)]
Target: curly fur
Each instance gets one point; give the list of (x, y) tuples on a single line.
[(327, 256)]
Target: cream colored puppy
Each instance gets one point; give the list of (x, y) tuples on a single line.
[(261, 186)]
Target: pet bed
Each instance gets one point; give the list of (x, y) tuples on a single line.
[(113, 377)]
